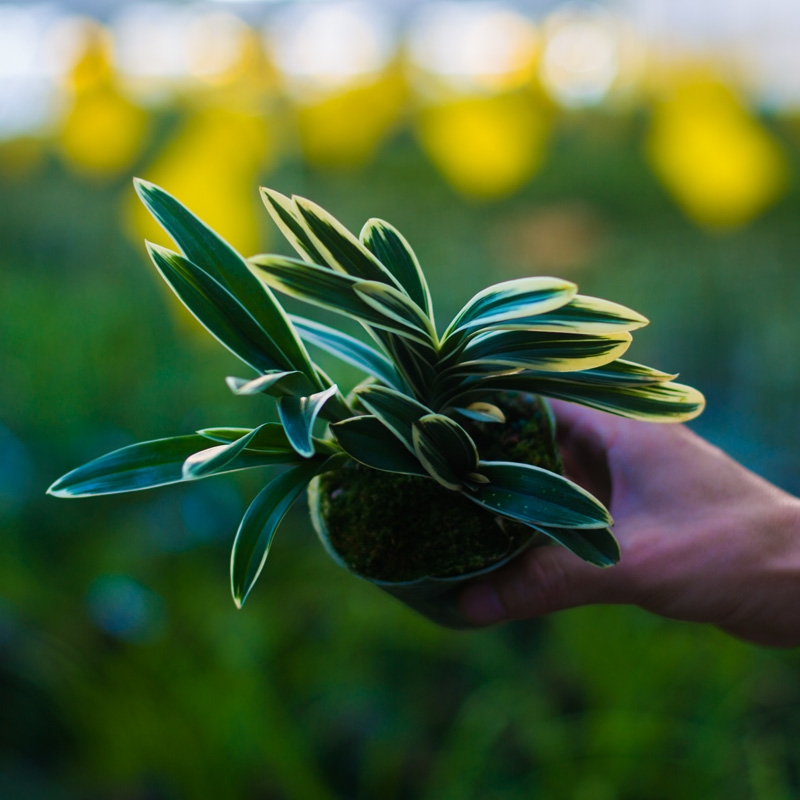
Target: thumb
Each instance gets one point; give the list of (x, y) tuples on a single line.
[(539, 582)]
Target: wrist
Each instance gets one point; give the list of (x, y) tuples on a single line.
[(769, 589)]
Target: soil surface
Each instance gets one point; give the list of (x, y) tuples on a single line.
[(394, 527)]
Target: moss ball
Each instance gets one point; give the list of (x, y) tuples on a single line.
[(392, 527)]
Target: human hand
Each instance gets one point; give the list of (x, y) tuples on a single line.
[(702, 538)]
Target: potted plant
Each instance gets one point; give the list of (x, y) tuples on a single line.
[(442, 464)]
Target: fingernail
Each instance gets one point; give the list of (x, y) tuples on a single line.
[(480, 604)]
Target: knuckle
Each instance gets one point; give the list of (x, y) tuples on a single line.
[(539, 586)]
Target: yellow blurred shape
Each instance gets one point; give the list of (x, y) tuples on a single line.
[(212, 166), (103, 132), (720, 164), (93, 64), (486, 147), (344, 129)]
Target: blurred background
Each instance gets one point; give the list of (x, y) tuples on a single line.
[(647, 149)]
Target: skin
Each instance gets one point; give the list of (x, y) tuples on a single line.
[(702, 538)]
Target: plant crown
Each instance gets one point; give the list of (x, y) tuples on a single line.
[(535, 335)]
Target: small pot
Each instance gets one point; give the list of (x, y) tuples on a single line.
[(434, 598)]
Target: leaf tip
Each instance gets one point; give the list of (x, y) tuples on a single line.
[(145, 189), (157, 251), (57, 490), (270, 195), (235, 384)]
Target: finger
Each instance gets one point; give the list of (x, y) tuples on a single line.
[(540, 582), (583, 450)]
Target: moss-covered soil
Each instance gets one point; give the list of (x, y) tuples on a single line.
[(398, 528)]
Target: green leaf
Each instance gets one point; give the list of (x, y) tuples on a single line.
[(462, 388), (417, 363), (482, 412), (214, 459), (620, 373), (220, 313), (434, 461), (551, 352), (340, 250), (271, 438), (212, 254), (257, 529), (350, 350), (445, 449), (367, 440), (332, 290), (396, 411), (148, 464), (298, 415), (396, 305), (537, 497), (582, 314), (598, 547), (447, 436), (668, 402), (389, 246), (285, 215), (518, 298), (276, 384)]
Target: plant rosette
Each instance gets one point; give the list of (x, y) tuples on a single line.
[(442, 465), (418, 541)]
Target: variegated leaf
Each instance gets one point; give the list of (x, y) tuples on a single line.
[(615, 373), (396, 411), (298, 415), (582, 314), (350, 350), (598, 547), (549, 352), (271, 438), (261, 520), (397, 305), (340, 250), (666, 402), (537, 497), (445, 449), (276, 384), (215, 257), (219, 312), (517, 298), (482, 412), (285, 215), (149, 464), (215, 459), (452, 440), (390, 247), (434, 461), (327, 289), (367, 440)]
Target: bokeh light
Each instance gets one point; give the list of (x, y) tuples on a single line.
[(471, 47), (580, 59), (319, 48)]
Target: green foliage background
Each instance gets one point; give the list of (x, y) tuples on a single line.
[(125, 669)]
